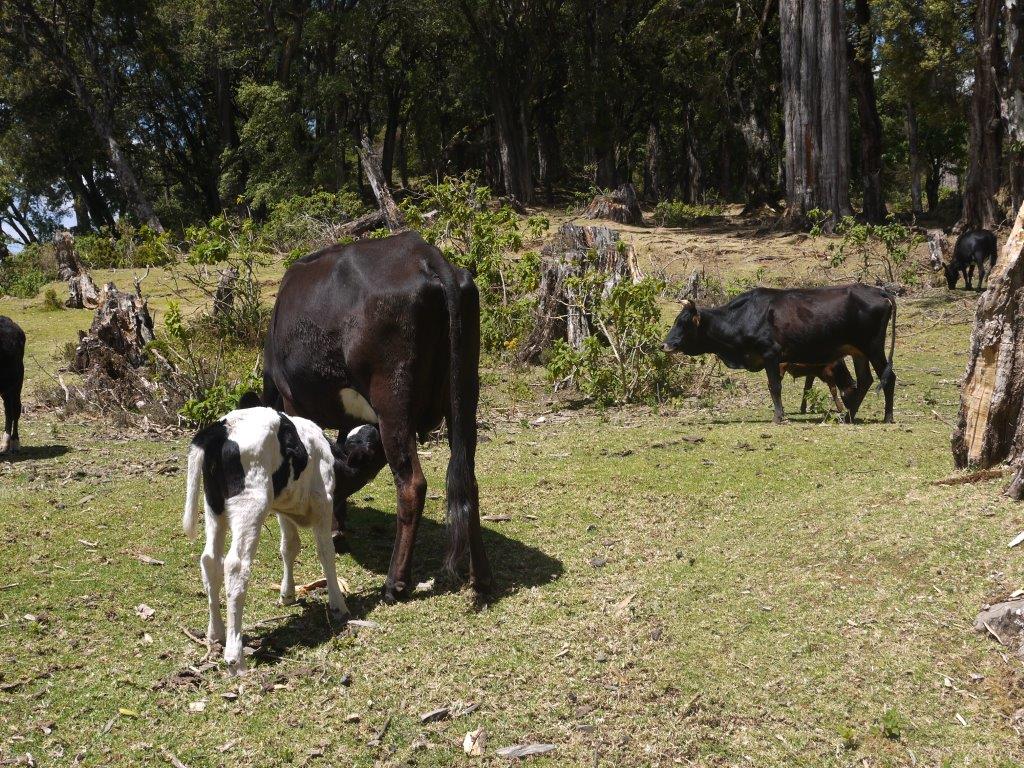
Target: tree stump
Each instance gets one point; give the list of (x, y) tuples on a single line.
[(938, 247), (621, 206), (371, 161), (560, 313), (120, 331), (82, 293), (224, 296), (990, 428)]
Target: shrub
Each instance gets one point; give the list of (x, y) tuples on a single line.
[(23, 274), (458, 216), (125, 247), (623, 362), (305, 223), (52, 302), (217, 400), (674, 213), (877, 248)]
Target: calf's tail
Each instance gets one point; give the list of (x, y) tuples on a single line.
[(193, 475)]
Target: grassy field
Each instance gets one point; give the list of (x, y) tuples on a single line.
[(690, 586)]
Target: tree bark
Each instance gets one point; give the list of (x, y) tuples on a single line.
[(371, 165), (82, 292), (990, 426), (1013, 97), (620, 206), (862, 72), (515, 164), (561, 312), (653, 165), (915, 159), (986, 139), (931, 185), (815, 90)]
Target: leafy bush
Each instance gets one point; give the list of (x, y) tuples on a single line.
[(51, 301), (23, 274), (674, 213), (877, 248), (458, 216), (623, 362), (217, 400), (305, 223), (125, 247)]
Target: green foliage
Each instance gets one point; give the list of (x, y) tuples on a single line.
[(23, 274), (876, 248), (217, 400), (674, 213), (458, 216), (623, 361), (125, 247), (892, 724), (305, 223), (52, 302)]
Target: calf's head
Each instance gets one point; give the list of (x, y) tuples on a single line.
[(685, 332), (357, 460)]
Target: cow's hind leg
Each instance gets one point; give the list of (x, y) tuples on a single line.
[(411, 486), (863, 370), (12, 412), (211, 564), (969, 275), (290, 545), (888, 380)]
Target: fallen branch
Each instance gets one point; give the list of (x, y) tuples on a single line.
[(973, 477)]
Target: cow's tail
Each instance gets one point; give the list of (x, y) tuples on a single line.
[(193, 476), (463, 302), (888, 374)]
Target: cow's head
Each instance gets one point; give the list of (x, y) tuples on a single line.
[(952, 273), (683, 335)]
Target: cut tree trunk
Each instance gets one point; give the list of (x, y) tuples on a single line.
[(986, 139), (990, 427), (620, 206), (224, 297), (372, 166), (561, 313), (815, 93), (82, 293), (120, 331), (938, 248)]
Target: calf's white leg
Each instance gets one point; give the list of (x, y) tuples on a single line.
[(325, 550), (211, 565), (246, 513), (289, 550)]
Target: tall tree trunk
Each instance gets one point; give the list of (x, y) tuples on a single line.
[(724, 167), (403, 162), (862, 72), (694, 173), (815, 91), (1013, 96), (653, 165), (986, 142), (931, 185), (515, 165), (990, 426), (391, 133), (99, 210), (83, 221), (915, 158)]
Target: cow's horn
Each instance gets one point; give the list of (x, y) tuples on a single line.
[(688, 303)]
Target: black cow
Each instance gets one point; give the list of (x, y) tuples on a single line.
[(387, 332), (973, 248), (767, 328), (12, 376)]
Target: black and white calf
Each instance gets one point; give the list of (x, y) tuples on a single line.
[(253, 462), (12, 376)]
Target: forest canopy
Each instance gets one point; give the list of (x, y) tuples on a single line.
[(169, 112)]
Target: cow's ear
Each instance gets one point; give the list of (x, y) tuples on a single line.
[(696, 318)]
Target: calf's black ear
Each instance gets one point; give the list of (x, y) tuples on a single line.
[(250, 400)]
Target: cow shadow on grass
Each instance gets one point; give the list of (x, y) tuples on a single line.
[(34, 453), (370, 534)]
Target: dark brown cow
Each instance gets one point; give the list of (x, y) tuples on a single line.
[(12, 377), (764, 328), (387, 332)]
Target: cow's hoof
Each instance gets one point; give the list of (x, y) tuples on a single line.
[(15, 445), (340, 542), (394, 592), (780, 420), (889, 419), (339, 616), (482, 584)]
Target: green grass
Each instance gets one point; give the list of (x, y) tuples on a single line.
[(772, 596)]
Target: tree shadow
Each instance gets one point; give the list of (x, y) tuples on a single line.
[(370, 535), (34, 453)]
